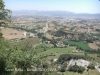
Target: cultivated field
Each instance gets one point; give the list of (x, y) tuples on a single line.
[(93, 46), (51, 27), (9, 33), (79, 44)]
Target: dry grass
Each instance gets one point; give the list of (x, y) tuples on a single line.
[(85, 30), (9, 33), (82, 30), (98, 42), (90, 72), (50, 36), (51, 27)]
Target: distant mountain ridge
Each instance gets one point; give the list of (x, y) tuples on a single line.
[(53, 13)]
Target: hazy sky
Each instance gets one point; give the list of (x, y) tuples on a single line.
[(78, 6)]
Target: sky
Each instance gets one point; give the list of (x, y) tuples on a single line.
[(77, 6)]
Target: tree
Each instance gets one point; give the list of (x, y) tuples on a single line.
[(40, 35), (5, 14), (4, 54), (63, 68), (1, 35)]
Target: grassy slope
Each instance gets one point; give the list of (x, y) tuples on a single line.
[(50, 36), (90, 72), (56, 51), (94, 57)]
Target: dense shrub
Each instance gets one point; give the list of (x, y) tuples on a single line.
[(76, 68), (67, 57), (91, 66)]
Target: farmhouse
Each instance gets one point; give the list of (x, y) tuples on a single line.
[(75, 51)]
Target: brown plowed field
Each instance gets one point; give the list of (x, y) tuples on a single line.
[(93, 46), (9, 33)]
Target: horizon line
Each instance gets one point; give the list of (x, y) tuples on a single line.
[(54, 10)]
